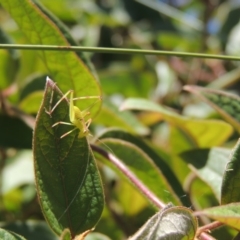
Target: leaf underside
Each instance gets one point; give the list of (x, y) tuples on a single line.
[(4, 234), (68, 182), (226, 104), (169, 223)]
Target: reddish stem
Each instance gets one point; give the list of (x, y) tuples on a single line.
[(130, 175)]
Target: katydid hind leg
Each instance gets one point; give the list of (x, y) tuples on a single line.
[(64, 123), (67, 133)]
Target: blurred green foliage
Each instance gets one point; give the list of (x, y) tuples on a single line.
[(169, 126)]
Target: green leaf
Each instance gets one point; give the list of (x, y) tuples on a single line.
[(35, 83), (135, 74), (174, 40), (200, 193), (65, 31), (97, 236), (30, 104), (132, 209), (31, 94), (209, 165), (158, 160), (68, 182), (32, 66), (226, 104), (12, 176), (179, 140), (66, 235), (230, 185), (11, 128), (63, 10), (228, 214), (170, 223), (31, 229), (9, 62), (125, 120), (143, 167), (10, 235), (237, 236), (176, 142), (65, 67), (205, 133)]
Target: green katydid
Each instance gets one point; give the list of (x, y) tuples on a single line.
[(76, 116)]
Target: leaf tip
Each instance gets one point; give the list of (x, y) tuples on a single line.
[(49, 82)]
